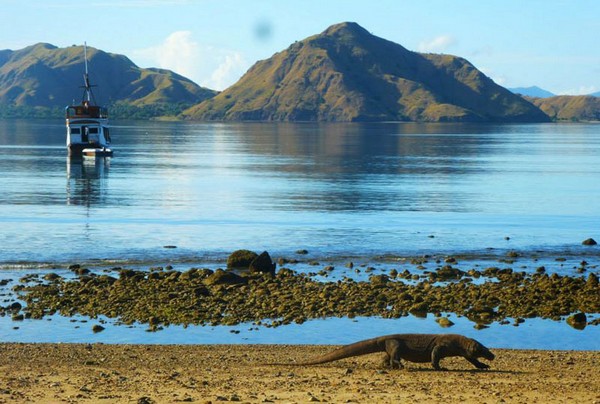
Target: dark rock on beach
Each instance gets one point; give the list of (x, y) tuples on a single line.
[(220, 277), (241, 259), (263, 264), (589, 241), (577, 321)]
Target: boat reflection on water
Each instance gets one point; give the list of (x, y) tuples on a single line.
[(87, 180)]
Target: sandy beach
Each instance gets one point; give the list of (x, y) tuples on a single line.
[(101, 373)]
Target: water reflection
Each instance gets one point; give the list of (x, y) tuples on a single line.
[(87, 180), (328, 187), (366, 167)]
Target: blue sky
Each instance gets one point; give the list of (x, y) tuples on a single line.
[(549, 43)]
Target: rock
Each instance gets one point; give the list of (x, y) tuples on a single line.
[(18, 317), (419, 309), (263, 264), (97, 328), (577, 321), (444, 322), (220, 277), (51, 277), (448, 272), (589, 241), (379, 279), (127, 273), (302, 252), (241, 259)]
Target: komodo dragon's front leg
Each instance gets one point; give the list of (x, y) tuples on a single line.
[(440, 351), (478, 365)]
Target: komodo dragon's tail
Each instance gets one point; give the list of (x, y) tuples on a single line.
[(356, 349)]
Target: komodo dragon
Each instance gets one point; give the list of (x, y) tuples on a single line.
[(411, 347)]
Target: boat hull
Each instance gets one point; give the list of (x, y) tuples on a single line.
[(86, 133)]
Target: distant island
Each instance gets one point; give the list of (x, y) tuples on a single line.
[(533, 91), (348, 74), (344, 74), (40, 80), (569, 107)]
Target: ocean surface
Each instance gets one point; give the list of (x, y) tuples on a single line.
[(372, 193)]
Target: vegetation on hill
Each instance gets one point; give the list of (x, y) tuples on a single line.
[(118, 110), (570, 107), (347, 74), (342, 74), (42, 79)]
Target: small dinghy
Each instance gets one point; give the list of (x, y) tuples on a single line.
[(96, 152)]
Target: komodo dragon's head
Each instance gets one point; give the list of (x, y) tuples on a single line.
[(477, 350)]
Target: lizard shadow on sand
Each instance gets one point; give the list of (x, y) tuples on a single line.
[(474, 371)]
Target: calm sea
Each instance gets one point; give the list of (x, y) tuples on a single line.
[(341, 191)]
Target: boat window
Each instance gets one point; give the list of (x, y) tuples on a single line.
[(76, 131), (106, 134), (93, 131)]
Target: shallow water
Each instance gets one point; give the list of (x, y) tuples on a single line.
[(532, 334), (332, 331), (341, 191)]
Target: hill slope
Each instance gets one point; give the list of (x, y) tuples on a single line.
[(570, 107), (47, 76), (347, 74)]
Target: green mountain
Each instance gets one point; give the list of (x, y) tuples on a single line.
[(569, 107), (347, 74), (43, 75)]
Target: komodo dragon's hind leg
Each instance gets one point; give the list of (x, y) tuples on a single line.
[(436, 355), (392, 349)]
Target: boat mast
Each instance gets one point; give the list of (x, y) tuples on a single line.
[(88, 95)]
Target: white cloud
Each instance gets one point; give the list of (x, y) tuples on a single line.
[(582, 90), (498, 78), (230, 67), (437, 44), (210, 67)]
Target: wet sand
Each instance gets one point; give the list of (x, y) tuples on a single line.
[(99, 373)]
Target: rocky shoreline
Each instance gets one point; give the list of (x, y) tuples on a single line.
[(252, 290)]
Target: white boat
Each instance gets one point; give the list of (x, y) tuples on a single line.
[(87, 124)]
